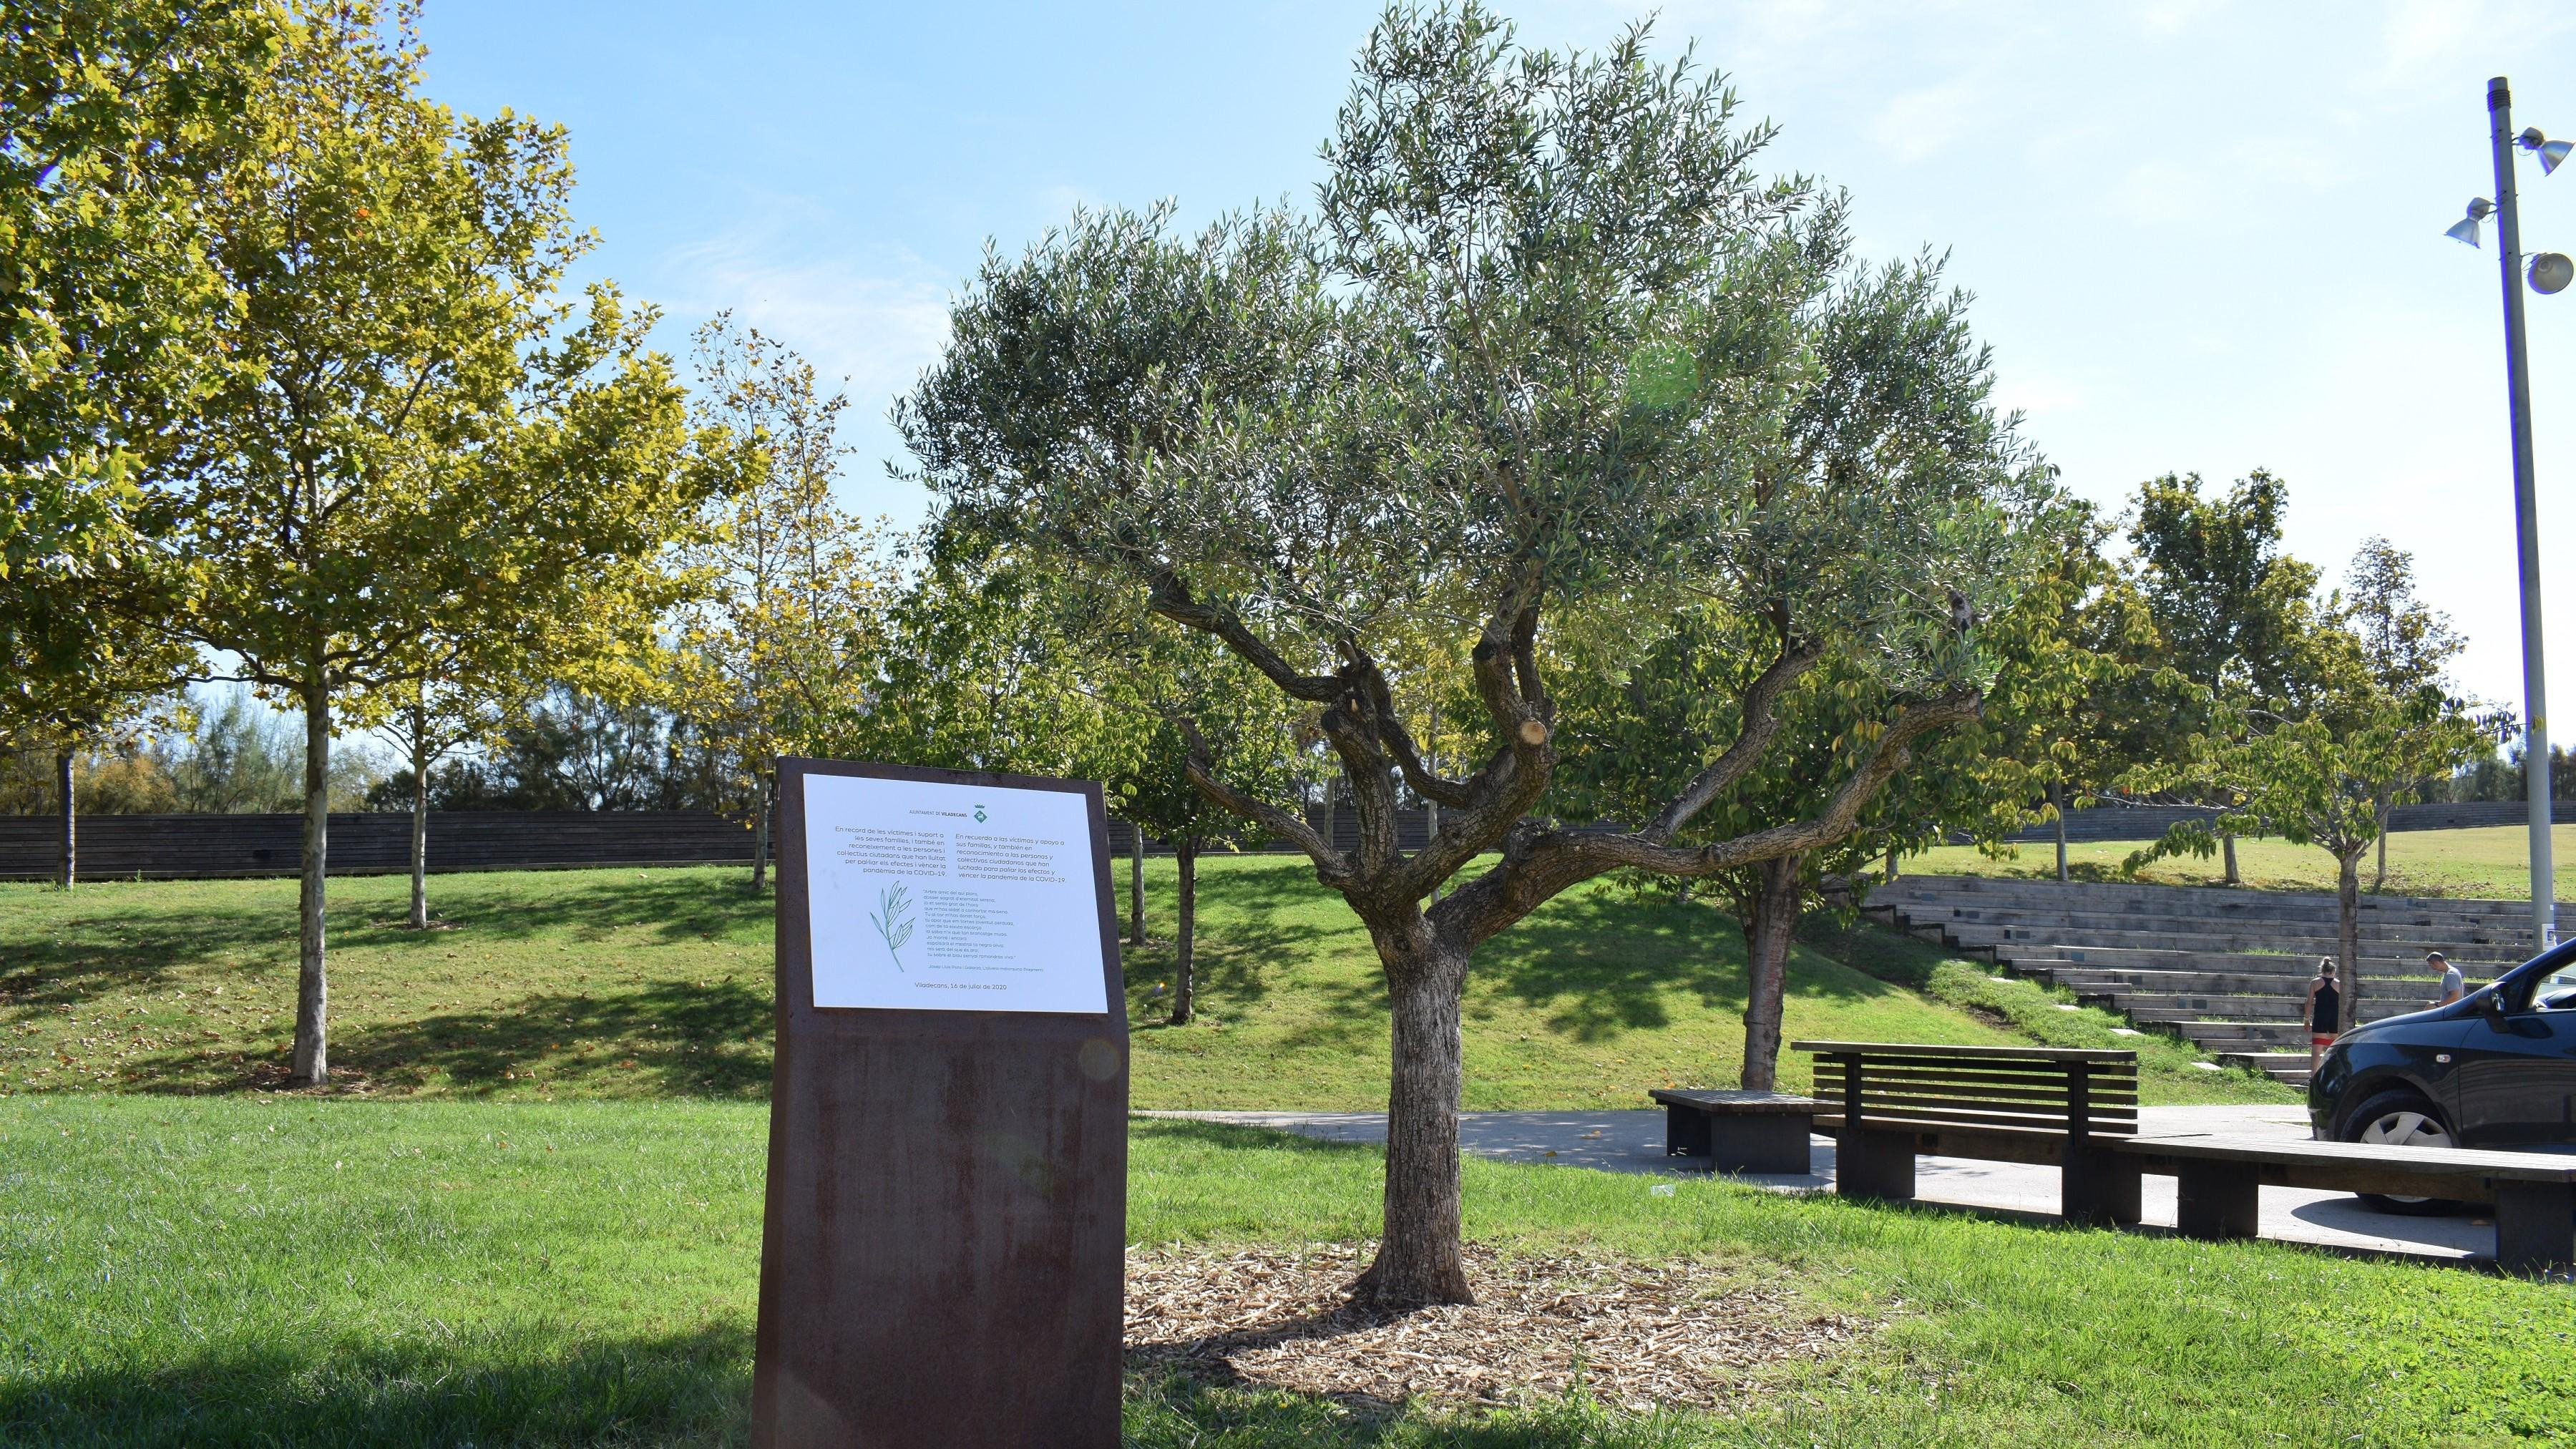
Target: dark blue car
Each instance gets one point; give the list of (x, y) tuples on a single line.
[(2497, 1068)]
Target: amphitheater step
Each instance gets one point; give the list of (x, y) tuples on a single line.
[(2409, 945), (2139, 958), (2290, 1067), (2237, 1010), (2245, 1008), (2085, 981)]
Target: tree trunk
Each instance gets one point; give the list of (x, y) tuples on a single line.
[(2379, 882), (1418, 1256), (70, 807), (2057, 800), (1185, 855), (312, 1061), (2227, 844), (1136, 885), (1891, 862), (2348, 935), (1773, 923), (767, 807), (419, 826)]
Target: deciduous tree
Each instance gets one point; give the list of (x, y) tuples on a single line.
[(416, 432), (780, 647)]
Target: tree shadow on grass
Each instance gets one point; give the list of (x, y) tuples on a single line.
[(83, 958), (122, 937), (1602, 964), (1229, 1137), (1249, 935), (673, 904), (689, 1388), (1168, 1409), (667, 1039)]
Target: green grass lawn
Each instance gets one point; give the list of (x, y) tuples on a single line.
[(2491, 862), (271, 1271), (656, 983)]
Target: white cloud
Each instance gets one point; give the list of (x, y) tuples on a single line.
[(869, 319), (874, 318)]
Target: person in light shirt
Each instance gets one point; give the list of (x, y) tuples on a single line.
[(2450, 974)]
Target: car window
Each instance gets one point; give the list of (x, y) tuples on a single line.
[(2556, 991)]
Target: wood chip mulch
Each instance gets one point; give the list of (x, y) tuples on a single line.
[(1638, 1335)]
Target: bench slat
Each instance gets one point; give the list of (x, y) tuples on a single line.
[(1914, 1049), (2041, 1071), (1872, 1099), (1874, 1114), (2046, 1076), (1976, 1090), (2414, 1161)]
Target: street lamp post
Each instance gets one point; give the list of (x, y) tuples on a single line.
[(2535, 691)]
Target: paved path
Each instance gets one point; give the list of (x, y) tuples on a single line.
[(1634, 1142)]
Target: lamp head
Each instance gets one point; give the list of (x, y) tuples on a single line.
[(2550, 152), (2551, 272), (2464, 230)]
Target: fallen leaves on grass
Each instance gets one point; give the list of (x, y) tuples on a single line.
[(1636, 1335)]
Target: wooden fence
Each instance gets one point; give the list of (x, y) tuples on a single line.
[(192, 846)]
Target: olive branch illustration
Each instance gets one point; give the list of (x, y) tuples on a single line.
[(895, 924)]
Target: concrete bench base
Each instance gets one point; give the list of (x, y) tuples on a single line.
[(2218, 1181), (1738, 1131)]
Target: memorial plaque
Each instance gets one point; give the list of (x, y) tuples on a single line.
[(942, 1256)]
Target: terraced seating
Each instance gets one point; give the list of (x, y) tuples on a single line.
[(2224, 969)]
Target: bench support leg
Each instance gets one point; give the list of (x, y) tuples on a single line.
[(1870, 1163), (1685, 1131), (1770, 1142), (2217, 1199), (2099, 1186), (2535, 1227)]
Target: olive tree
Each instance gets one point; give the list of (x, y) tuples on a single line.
[(1551, 362)]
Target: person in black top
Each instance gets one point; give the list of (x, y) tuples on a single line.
[(2325, 1011)]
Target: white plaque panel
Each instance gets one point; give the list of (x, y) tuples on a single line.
[(938, 897)]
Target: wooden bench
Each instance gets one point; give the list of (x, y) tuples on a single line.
[(1887, 1103), (1738, 1131), (2218, 1177)]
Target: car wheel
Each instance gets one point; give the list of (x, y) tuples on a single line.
[(2400, 1119)]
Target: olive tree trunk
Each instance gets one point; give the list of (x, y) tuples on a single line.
[(1419, 1259), (312, 1060), (1769, 926), (63, 796), (2348, 934), (1185, 855)]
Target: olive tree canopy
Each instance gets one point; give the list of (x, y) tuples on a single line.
[(1551, 364)]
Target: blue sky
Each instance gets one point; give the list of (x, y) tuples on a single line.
[(2203, 236)]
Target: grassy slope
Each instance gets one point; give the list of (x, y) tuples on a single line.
[(288, 1272), (656, 983), (2492, 863)]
